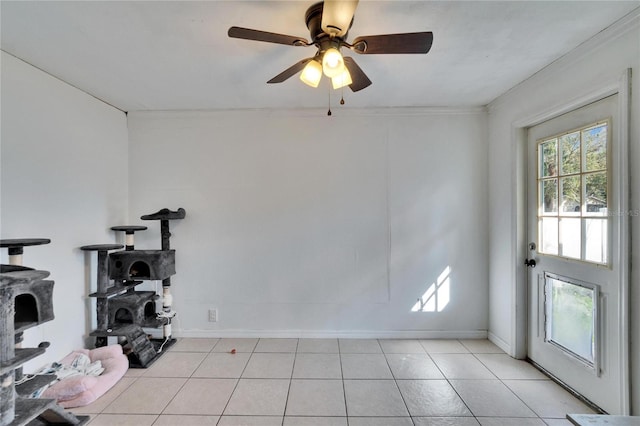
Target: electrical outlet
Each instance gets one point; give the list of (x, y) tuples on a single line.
[(213, 315)]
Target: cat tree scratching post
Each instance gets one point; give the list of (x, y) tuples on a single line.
[(164, 216), (129, 231)]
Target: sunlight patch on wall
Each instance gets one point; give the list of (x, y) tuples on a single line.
[(437, 296)]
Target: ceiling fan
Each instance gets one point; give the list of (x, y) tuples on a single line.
[(329, 22)]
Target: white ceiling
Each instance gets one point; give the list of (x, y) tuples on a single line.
[(175, 55)]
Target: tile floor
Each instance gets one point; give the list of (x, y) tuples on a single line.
[(341, 382)]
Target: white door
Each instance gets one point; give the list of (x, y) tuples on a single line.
[(574, 287)]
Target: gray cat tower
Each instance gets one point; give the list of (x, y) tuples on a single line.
[(121, 310), (26, 301)]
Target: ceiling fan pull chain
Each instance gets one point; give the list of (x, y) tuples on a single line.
[(329, 112), (342, 95)]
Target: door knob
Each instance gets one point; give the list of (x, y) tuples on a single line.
[(531, 263)]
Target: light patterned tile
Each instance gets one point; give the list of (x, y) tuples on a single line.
[(328, 346), (186, 420), (123, 420), (240, 345), (547, 399), (557, 422), (250, 421), (490, 398), (445, 421), (365, 366), (202, 397), (432, 398), (276, 345), (481, 346), (380, 421), (401, 346), (461, 366), (316, 398), (147, 395), (175, 364), (314, 421), (269, 366), (374, 398), (507, 368), (258, 397), (193, 345), (359, 346), (509, 421), (135, 372), (413, 366), (317, 366), (443, 347), (223, 365)]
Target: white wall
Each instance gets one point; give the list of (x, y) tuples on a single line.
[(63, 177), (592, 65), (303, 225)]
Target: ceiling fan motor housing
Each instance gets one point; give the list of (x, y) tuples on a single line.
[(313, 19)]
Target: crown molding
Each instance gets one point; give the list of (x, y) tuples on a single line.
[(337, 112)]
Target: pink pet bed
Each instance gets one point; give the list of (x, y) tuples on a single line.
[(78, 391)]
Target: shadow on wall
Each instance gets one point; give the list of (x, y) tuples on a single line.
[(436, 298)]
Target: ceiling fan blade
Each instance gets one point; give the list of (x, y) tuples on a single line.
[(394, 43), (257, 35), (292, 70), (359, 78), (337, 16)]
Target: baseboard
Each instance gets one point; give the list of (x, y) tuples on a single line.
[(343, 334), (499, 342)]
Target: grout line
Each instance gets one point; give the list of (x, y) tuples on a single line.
[(237, 382), (181, 387), (510, 390), (135, 379), (395, 381), (293, 367), (453, 387), (344, 390)]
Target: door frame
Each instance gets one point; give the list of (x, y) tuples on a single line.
[(519, 300)]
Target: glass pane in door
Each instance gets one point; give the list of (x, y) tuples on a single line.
[(597, 240), (570, 229), (549, 235), (596, 147), (571, 153)]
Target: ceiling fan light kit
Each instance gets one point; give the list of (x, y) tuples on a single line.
[(312, 73), (332, 62), (328, 23), (341, 80)]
